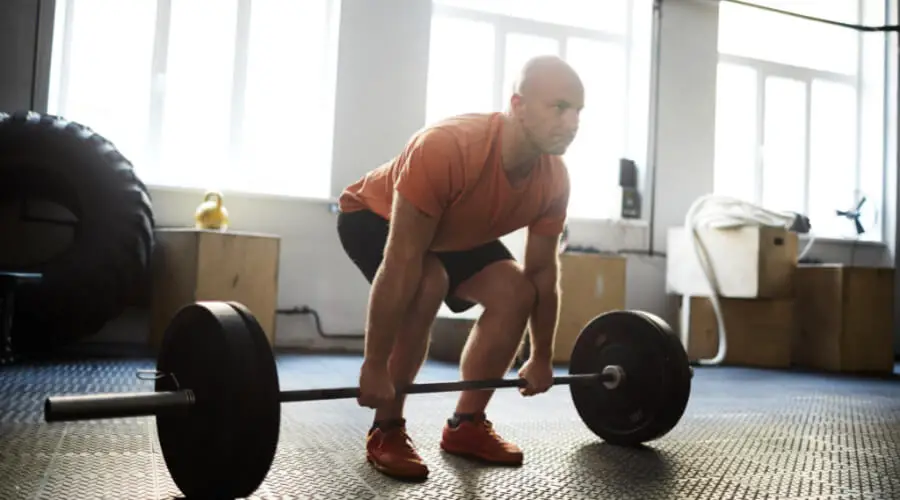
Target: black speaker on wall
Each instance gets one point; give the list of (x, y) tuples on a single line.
[(627, 173), (631, 198)]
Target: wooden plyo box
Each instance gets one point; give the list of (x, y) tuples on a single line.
[(193, 265), (846, 318), (749, 262), (591, 284)]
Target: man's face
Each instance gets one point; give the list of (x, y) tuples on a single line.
[(549, 114)]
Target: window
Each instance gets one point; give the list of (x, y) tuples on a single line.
[(207, 93), (784, 144), (833, 153), (490, 40), (799, 119), (736, 142), (759, 34), (447, 94)]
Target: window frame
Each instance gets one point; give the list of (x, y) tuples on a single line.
[(764, 69)]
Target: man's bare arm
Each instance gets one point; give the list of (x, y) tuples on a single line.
[(542, 268), (395, 284)]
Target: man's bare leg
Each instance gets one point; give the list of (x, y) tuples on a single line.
[(388, 447), (411, 345), (508, 298)]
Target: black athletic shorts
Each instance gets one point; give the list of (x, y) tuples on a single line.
[(364, 235)]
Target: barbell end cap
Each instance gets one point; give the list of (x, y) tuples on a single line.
[(48, 411), (613, 375)]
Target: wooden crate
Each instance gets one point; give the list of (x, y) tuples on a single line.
[(759, 332), (192, 265), (591, 284), (846, 318)]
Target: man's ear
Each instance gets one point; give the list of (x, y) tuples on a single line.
[(515, 102)]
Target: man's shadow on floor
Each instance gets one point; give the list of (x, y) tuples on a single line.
[(618, 468)]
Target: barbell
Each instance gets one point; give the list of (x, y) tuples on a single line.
[(217, 398)]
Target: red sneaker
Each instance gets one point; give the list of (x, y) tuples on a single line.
[(477, 439), (391, 452)]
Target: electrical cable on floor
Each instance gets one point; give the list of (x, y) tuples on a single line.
[(315, 314), (724, 213)]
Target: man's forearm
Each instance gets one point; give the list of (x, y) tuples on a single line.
[(392, 291), (545, 315)]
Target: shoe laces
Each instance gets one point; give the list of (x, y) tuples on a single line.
[(489, 428), (400, 437)]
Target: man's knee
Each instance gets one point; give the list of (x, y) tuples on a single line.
[(514, 295)]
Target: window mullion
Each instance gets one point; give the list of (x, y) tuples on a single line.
[(807, 153), (629, 77), (239, 81), (158, 72), (66, 58), (760, 135)]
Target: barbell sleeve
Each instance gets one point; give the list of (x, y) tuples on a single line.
[(430, 387), (115, 405)]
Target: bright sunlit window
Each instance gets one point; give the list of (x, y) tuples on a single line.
[(226, 94), (736, 132), (799, 118), (479, 46)]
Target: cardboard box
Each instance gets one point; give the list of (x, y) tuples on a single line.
[(193, 265), (846, 318), (748, 262), (759, 332), (591, 284)]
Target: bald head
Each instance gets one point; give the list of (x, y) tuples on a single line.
[(542, 71), (546, 103)]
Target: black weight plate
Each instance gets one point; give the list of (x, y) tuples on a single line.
[(653, 395), (681, 378), (216, 449), (264, 416)]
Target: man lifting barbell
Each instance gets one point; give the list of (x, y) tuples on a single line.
[(216, 375), (424, 228)]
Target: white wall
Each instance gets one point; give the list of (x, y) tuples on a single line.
[(382, 70), (686, 116), (381, 101)]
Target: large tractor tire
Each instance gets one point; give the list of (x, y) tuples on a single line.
[(47, 161)]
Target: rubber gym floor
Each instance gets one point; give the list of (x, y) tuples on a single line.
[(747, 433)]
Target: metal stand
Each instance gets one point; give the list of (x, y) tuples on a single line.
[(8, 283), (7, 305)]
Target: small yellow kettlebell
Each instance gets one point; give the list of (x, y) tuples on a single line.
[(211, 214)]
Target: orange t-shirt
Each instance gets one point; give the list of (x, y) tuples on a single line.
[(453, 170)]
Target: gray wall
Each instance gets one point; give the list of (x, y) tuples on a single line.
[(25, 31), (380, 102)]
